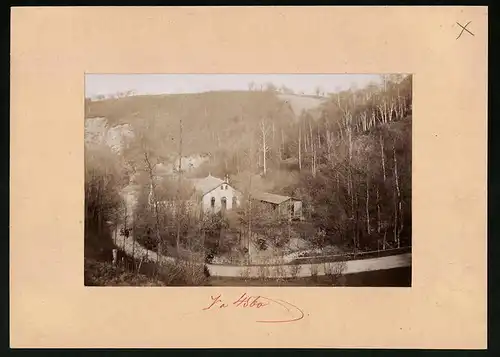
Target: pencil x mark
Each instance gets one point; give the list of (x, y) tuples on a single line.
[(464, 28)]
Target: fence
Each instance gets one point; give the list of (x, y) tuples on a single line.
[(358, 255), (335, 257)]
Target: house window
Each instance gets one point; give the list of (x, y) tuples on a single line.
[(223, 202), (235, 202), (212, 202)]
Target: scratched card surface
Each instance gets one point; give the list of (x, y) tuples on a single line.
[(228, 177)]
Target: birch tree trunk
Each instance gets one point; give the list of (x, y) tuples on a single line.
[(350, 179), (282, 145), (379, 223), (382, 156), (313, 151), (399, 208), (300, 146), (391, 109), (329, 145), (264, 145), (319, 139), (155, 203), (178, 235), (311, 138), (356, 221), (249, 205), (364, 125), (395, 230), (368, 229)]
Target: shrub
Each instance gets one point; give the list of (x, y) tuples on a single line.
[(105, 274), (184, 273), (263, 272), (294, 270), (334, 271), (245, 273), (314, 272), (279, 272)]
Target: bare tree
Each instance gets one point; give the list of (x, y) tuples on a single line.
[(379, 223), (347, 124), (154, 202), (398, 207), (368, 228), (179, 173), (382, 155), (270, 87), (265, 146), (300, 145), (313, 151)]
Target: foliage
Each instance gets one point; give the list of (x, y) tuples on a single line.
[(334, 271), (152, 274), (103, 180), (104, 274)]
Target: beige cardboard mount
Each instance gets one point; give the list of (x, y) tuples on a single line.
[(52, 49)]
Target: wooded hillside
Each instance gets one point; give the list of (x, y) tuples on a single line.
[(214, 121)]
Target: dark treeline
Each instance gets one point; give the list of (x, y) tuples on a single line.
[(104, 206)]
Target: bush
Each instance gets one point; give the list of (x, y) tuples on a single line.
[(245, 273), (105, 274), (314, 272), (294, 270), (183, 273), (334, 271), (279, 272), (262, 244), (263, 272)]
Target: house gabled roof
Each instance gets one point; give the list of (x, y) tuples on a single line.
[(207, 184), (269, 197)]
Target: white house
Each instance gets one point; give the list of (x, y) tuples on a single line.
[(214, 195), (217, 194)]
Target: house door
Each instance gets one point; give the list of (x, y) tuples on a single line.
[(223, 202)]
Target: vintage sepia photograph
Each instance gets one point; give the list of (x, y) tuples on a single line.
[(248, 180)]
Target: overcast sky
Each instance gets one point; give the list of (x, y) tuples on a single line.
[(96, 84)]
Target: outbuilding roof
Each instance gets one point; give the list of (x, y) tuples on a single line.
[(269, 197)]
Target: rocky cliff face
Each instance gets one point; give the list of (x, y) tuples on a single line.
[(187, 163), (98, 132)]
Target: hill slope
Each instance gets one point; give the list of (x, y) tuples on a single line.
[(211, 120), (301, 103)]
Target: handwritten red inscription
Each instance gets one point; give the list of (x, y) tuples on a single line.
[(257, 302)]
